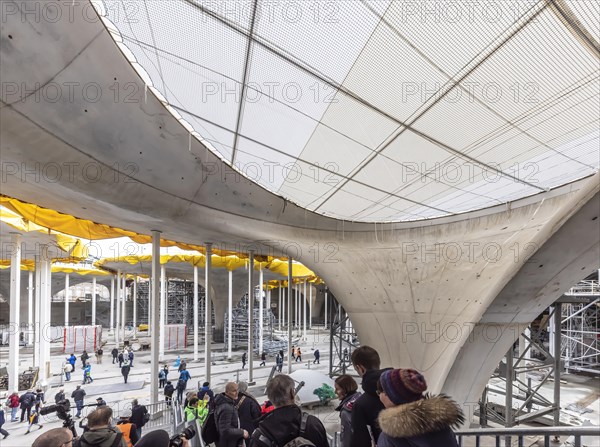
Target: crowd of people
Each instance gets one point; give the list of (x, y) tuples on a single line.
[(391, 409)]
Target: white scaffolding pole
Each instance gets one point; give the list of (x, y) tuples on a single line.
[(260, 310), (196, 313), (94, 301), (208, 311), (229, 314), (326, 314), (15, 313), (283, 314)]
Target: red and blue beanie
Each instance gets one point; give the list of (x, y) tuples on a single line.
[(403, 385)]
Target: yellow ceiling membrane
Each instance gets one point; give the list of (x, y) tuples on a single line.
[(71, 245), (230, 262), (84, 228)]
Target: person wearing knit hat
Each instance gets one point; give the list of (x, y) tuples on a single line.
[(411, 418)]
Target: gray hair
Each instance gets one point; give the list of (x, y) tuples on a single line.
[(281, 390), (242, 387)]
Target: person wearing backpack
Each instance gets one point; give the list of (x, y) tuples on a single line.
[(226, 418), (248, 408), (287, 425), (139, 416), (346, 391)]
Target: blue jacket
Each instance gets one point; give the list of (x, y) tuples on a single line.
[(184, 375)]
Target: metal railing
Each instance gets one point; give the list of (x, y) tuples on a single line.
[(590, 287), (179, 424), (520, 433)]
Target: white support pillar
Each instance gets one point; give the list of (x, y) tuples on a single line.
[(297, 304), (250, 316), (37, 339), (289, 294), (124, 304), (326, 314), (304, 299), (15, 312), (94, 301), (279, 308), (260, 310), (44, 315), (163, 311), (310, 304), (67, 299), (118, 308), (196, 321), (154, 304), (283, 314), (30, 327), (134, 298), (112, 303), (208, 314), (230, 314)]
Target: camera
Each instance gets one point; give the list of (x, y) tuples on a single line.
[(176, 440), (61, 409)]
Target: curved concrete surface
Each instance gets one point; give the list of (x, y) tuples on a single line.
[(404, 285)]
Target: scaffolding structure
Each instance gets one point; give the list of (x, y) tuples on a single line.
[(343, 339), (580, 328), (272, 342), (180, 303)]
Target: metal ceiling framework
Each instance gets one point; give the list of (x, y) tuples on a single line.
[(213, 47)]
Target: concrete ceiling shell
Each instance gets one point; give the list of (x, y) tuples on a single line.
[(374, 111)]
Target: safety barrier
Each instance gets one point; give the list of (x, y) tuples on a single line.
[(508, 433)]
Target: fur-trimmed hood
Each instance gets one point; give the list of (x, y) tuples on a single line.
[(428, 415)]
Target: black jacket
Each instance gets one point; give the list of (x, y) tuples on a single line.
[(425, 423), (78, 394), (169, 389), (365, 411), (283, 424), (27, 399), (228, 422), (60, 396), (248, 412), (137, 415)]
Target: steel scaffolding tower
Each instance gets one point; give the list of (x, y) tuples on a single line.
[(343, 339), (580, 328), (239, 327), (180, 303)]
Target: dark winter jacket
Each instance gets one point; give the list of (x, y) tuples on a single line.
[(283, 424), (137, 415), (125, 370), (425, 423), (345, 409), (60, 396), (100, 437), (27, 400), (365, 411), (248, 411), (228, 422), (78, 394), (169, 389)]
